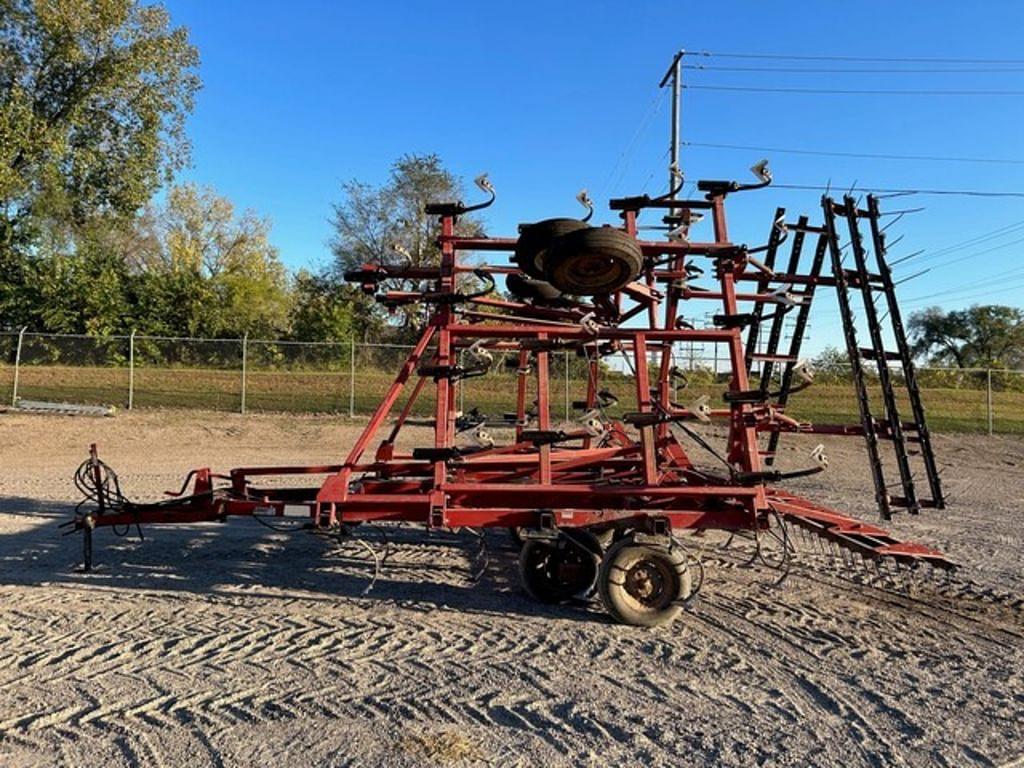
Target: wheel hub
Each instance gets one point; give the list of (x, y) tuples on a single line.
[(645, 582)]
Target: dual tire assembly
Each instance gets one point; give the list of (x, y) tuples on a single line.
[(578, 259), (643, 581)]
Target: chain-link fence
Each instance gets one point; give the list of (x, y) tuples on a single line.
[(351, 378)]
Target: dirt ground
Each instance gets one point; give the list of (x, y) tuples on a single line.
[(233, 644)]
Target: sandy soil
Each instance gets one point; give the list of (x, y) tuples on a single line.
[(234, 644)]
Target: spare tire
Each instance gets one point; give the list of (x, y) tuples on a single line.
[(593, 261), (534, 240), (528, 289)]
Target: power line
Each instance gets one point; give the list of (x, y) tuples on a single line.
[(849, 91), (994, 234), (982, 294), (975, 254), (622, 163), (984, 282), (849, 70), (889, 59), (895, 192), (871, 155)]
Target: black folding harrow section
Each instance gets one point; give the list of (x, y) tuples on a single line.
[(870, 284), (770, 355)]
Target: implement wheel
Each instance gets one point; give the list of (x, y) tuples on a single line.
[(644, 584), (535, 239), (593, 261), (558, 570)]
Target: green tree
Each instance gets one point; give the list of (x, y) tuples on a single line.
[(320, 309), (388, 225), (989, 336), (831, 363), (93, 100), (82, 287), (206, 271)]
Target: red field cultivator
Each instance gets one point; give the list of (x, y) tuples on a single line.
[(606, 499)]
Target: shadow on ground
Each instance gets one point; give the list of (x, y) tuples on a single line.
[(244, 558)]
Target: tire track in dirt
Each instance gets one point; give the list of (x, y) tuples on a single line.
[(874, 711), (140, 669), (215, 639), (798, 685)]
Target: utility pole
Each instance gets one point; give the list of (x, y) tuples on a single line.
[(675, 75)]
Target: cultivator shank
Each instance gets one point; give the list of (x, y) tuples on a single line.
[(604, 498)]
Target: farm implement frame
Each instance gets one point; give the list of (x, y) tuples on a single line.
[(604, 500)]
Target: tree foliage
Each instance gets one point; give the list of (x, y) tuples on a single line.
[(189, 267), (215, 272), (388, 224), (94, 95), (989, 336), (320, 312), (831, 362), (94, 98)]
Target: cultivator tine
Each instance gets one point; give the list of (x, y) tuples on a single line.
[(387, 541), (376, 567), (344, 536), (755, 555), (880, 574), (481, 557), (903, 577)]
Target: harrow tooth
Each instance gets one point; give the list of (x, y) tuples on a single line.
[(481, 555)]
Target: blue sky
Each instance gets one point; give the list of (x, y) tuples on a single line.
[(551, 97)]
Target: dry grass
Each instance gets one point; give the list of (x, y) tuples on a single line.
[(442, 747), (957, 409)]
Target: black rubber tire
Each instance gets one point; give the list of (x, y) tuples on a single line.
[(594, 261), (558, 570), (536, 238), (531, 289), (515, 533), (644, 584)]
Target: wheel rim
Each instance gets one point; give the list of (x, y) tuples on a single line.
[(651, 584), (565, 566), (560, 571)]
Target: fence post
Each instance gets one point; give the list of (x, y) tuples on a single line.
[(131, 369), (352, 378), (989, 399), (245, 345), (17, 365)]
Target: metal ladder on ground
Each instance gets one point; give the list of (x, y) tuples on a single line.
[(870, 285)]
